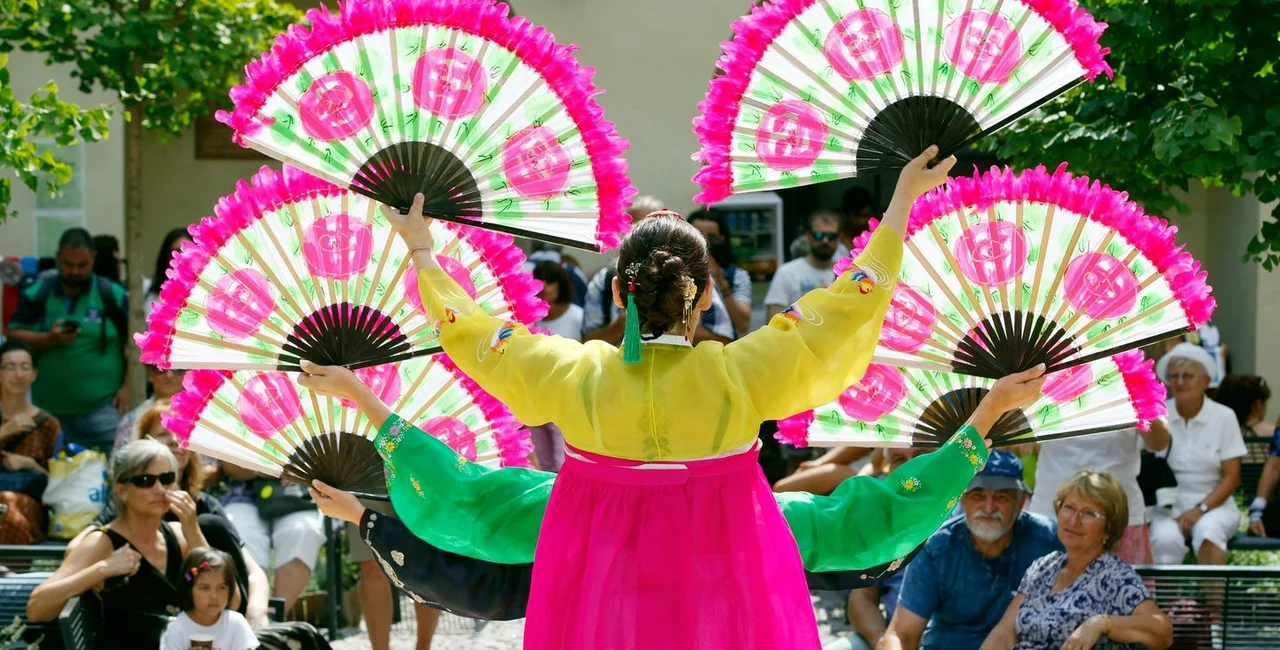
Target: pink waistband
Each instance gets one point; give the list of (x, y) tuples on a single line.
[(638, 472)]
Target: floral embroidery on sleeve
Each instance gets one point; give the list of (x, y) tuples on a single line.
[(911, 484)]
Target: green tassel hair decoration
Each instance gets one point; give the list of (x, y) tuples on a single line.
[(631, 335)]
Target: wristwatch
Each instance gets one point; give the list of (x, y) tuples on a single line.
[(1203, 508)]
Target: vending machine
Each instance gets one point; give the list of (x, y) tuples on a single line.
[(755, 232)]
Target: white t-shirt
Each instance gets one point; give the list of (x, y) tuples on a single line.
[(1199, 447), (794, 279), (568, 325), (231, 632), (1118, 452)]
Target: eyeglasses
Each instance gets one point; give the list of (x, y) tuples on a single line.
[(145, 481), (1175, 377), (825, 236), (17, 367), (1067, 511)]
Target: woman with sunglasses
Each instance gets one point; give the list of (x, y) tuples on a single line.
[(130, 566)]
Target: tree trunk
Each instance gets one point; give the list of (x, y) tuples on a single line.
[(133, 246)]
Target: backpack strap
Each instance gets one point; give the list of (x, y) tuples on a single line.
[(44, 288), (111, 312)]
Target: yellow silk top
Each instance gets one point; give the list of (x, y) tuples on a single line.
[(680, 402)]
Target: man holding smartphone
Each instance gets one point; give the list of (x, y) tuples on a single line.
[(75, 321)]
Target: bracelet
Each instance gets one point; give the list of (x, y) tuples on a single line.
[(428, 249), (1106, 619)]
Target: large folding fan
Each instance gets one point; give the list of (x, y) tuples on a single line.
[(814, 90), (909, 407), (269, 423), (487, 116), (291, 268), (1004, 271)]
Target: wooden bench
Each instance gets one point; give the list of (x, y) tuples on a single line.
[(1243, 603)]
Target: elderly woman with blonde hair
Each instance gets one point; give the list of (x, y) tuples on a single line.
[(1085, 597)]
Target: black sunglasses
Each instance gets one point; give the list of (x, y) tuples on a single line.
[(147, 480), (825, 236)]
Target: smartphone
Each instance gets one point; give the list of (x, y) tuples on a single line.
[(70, 326)]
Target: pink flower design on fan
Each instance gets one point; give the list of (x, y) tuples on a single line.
[(1101, 286), (268, 404), (383, 380), (449, 83), (454, 433), (790, 136), (991, 252), (536, 163), (867, 43), (337, 246), (876, 394), (454, 268), (909, 321), (1066, 385), (984, 46), (335, 106), (239, 303)]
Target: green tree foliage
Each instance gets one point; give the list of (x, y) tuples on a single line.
[(175, 59), (1196, 96), (42, 117)]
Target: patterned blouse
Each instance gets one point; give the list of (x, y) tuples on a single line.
[(39, 443), (1046, 618)]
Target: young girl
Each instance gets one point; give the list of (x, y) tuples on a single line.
[(208, 576), (661, 532)]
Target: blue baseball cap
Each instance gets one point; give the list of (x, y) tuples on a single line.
[(1003, 471)]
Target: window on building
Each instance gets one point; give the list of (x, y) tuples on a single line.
[(55, 214)]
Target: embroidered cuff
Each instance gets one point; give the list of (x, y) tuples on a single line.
[(971, 444)]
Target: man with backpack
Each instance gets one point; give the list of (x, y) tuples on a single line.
[(75, 321)]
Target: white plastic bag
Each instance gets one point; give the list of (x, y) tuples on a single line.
[(77, 492)]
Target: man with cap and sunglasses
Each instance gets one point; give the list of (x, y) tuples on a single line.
[(964, 578)]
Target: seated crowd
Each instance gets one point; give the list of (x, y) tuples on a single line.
[(1016, 567)]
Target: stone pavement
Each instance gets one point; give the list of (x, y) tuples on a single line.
[(457, 633)]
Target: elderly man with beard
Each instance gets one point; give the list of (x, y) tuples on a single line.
[(958, 586)]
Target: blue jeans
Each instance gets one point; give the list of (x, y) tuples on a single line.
[(94, 430)]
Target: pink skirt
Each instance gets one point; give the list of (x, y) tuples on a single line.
[(666, 556)]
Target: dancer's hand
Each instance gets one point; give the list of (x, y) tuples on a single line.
[(413, 228), (1010, 392), (917, 177), (336, 381), (336, 504)]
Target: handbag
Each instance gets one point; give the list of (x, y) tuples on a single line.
[(1155, 474), (276, 499)]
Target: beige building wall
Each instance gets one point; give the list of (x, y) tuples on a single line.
[(102, 175)]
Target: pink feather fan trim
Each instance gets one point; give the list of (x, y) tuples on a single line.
[(754, 34), (533, 45), (267, 191), (1153, 237)]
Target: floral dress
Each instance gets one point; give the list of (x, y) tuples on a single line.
[(1046, 618)]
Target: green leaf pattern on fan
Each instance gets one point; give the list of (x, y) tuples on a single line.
[(962, 267), (838, 64), (884, 409), (302, 257), (422, 391), (498, 116)]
